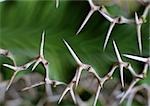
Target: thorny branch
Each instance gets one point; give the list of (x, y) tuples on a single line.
[(139, 77), (123, 64), (81, 67), (17, 69), (41, 59), (117, 20), (130, 93)]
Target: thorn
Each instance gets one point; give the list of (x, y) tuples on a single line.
[(79, 71), (42, 45), (129, 89), (63, 94), (105, 15), (10, 66), (138, 27), (11, 80), (57, 3), (35, 65), (117, 52), (32, 86), (73, 53), (132, 70), (121, 75), (108, 34), (73, 96), (136, 18), (141, 59), (85, 21), (97, 95), (93, 9)]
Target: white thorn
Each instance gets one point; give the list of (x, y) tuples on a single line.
[(10, 66), (138, 27), (121, 75), (132, 70), (141, 59), (79, 70), (136, 18), (32, 86), (129, 89), (108, 34), (63, 94), (117, 52), (11, 80), (139, 38), (97, 95), (110, 19), (73, 54), (85, 20), (2, 1), (42, 45), (73, 96), (145, 70), (35, 65), (57, 3), (27, 65)]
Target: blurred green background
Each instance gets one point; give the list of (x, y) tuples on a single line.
[(22, 22)]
